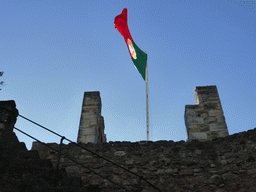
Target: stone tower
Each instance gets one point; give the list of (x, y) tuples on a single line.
[(91, 128), (205, 120)]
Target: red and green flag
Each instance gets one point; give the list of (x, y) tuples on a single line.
[(138, 57)]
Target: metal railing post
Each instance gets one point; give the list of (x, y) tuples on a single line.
[(58, 162), (100, 156)]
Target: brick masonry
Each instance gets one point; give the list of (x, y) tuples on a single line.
[(205, 120)]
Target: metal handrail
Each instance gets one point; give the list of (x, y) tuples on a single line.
[(140, 177), (72, 160)]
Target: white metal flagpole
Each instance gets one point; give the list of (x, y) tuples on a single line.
[(147, 100)]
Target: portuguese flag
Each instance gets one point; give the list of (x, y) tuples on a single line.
[(138, 57)]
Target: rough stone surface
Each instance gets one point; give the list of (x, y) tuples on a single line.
[(205, 120), (223, 164), (22, 170), (91, 128)]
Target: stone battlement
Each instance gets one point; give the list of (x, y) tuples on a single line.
[(220, 165), (205, 120), (91, 128)]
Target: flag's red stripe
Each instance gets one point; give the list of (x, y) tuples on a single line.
[(121, 25)]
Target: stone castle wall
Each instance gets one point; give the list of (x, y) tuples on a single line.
[(221, 165), (205, 120), (91, 128)]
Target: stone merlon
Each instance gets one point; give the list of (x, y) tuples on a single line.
[(205, 120), (91, 128)]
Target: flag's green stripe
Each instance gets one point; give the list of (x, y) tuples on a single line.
[(141, 61)]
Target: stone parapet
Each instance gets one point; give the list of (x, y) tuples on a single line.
[(223, 164), (205, 120)]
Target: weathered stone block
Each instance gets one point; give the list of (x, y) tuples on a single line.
[(209, 120), (85, 110), (169, 171), (160, 172), (198, 136), (228, 176), (215, 113), (120, 153), (203, 114), (198, 128), (192, 126), (191, 113), (198, 170), (195, 120), (221, 119), (186, 172), (87, 117), (210, 105), (90, 138), (87, 131), (217, 127), (93, 111), (94, 123), (85, 124)]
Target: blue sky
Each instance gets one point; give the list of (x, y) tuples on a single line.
[(52, 52)]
